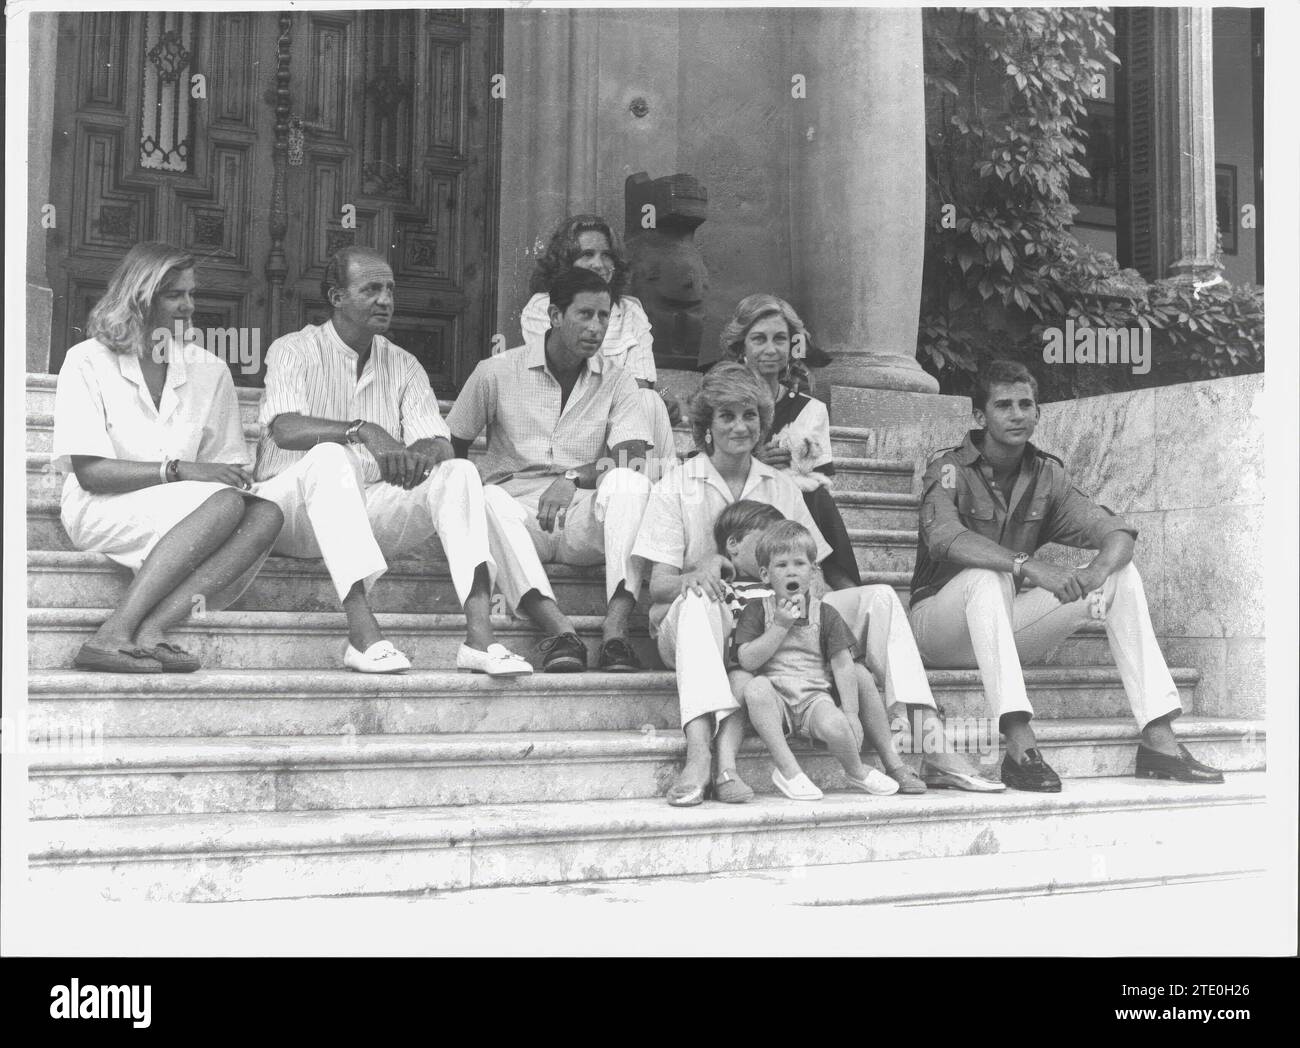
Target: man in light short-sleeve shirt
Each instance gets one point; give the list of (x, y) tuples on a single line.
[(558, 422), (355, 453), (988, 506)]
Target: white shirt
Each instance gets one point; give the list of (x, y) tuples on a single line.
[(810, 431), (628, 342), (677, 528), (516, 399), (313, 372), (102, 408)]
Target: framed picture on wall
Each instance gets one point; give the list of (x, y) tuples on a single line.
[(1225, 205)]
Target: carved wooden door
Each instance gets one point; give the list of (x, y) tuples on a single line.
[(145, 151), (392, 142)]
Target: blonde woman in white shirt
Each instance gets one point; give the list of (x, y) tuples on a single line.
[(149, 428), (587, 242)]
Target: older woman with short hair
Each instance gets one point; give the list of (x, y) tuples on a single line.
[(148, 426), (765, 334)]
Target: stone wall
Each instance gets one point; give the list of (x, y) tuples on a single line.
[(717, 105), (1186, 464)]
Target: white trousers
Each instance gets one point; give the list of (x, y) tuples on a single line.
[(329, 512), (977, 620), (599, 527), (879, 625), (694, 634)]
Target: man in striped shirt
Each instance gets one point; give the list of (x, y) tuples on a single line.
[(355, 453)]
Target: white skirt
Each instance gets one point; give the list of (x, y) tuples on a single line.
[(126, 527)]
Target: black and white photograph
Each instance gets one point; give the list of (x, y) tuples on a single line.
[(583, 480)]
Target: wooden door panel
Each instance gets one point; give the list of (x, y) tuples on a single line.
[(388, 131), (397, 125), (120, 178)]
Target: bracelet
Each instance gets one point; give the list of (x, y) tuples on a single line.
[(162, 471), (173, 470)]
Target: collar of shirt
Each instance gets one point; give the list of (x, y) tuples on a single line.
[(334, 341), (128, 365), (972, 450), (535, 357), (971, 454), (700, 467)]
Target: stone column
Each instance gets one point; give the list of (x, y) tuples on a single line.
[(43, 32), (549, 160), (1185, 124), (858, 199)]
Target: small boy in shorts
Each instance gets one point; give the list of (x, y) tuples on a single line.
[(787, 639)]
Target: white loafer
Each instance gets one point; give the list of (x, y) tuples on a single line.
[(380, 657), (799, 788), (497, 661), (874, 783)]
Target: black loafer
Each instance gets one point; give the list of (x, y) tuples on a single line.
[(1032, 774), (1152, 764), (563, 653), (617, 656)]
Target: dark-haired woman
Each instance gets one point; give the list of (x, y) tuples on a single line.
[(587, 242)]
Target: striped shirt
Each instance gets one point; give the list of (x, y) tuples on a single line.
[(516, 399), (313, 372), (628, 343)]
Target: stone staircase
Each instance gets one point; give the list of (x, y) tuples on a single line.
[(275, 774)]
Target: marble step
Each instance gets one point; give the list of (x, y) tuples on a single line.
[(884, 555), (70, 705), (307, 640), (163, 776), (297, 854), (859, 509), (1237, 860), (71, 579)]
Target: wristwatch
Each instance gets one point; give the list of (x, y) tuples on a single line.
[(354, 431), (1018, 565), (573, 475)]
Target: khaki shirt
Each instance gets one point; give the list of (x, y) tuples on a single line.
[(959, 496)]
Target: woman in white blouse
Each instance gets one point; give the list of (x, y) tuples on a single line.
[(587, 242), (762, 334), (688, 615), (148, 427)]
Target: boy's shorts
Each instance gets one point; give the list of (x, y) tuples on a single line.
[(799, 697)]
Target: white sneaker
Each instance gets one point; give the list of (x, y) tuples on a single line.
[(497, 661), (380, 657), (798, 788), (874, 783)]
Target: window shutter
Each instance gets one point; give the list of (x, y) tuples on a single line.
[(1135, 41)]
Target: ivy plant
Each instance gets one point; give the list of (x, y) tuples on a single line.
[(1006, 97)]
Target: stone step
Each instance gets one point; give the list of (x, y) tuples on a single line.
[(296, 854), (868, 474), (859, 508), (310, 773), (237, 640), (71, 579), (68, 704), (303, 640), (884, 555), (879, 510), (1234, 862)]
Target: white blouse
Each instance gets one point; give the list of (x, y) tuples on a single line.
[(677, 527), (628, 339), (102, 408)]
